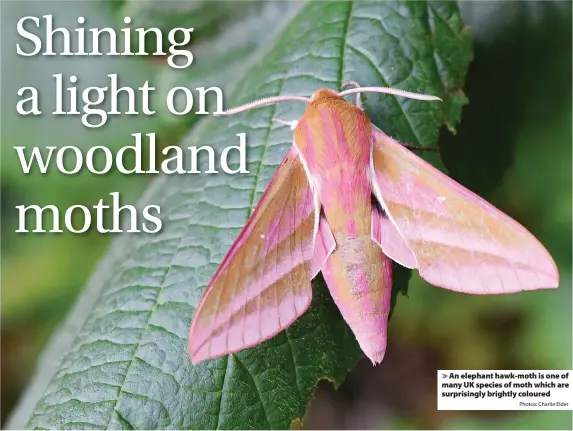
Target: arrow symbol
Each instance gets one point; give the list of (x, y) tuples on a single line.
[(444, 376)]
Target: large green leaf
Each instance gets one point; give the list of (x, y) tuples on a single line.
[(120, 360)]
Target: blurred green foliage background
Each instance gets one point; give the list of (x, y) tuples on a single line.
[(513, 147)]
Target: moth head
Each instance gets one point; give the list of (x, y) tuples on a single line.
[(324, 93)]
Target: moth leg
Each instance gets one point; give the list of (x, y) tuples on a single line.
[(291, 124), (354, 84), (418, 148)]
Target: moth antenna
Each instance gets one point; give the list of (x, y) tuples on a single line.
[(388, 90), (262, 102)]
